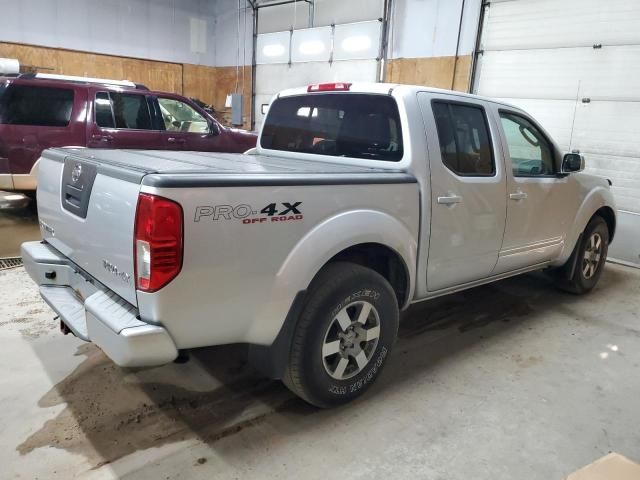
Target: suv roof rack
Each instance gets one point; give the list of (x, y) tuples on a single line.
[(72, 78)]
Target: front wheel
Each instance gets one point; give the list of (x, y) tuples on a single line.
[(344, 335), (591, 255)]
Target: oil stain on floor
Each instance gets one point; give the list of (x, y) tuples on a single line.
[(112, 412)]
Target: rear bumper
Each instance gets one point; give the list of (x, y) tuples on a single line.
[(94, 313)]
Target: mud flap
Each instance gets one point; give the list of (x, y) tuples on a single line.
[(271, 360)]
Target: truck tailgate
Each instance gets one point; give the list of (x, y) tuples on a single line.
[(87, 211)]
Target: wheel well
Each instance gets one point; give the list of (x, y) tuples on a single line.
[(610, 217), (384, 261)]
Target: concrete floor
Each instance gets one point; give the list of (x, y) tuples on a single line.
[(508, 381)]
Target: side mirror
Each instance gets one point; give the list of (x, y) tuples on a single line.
[(213, 129), (571, 163)]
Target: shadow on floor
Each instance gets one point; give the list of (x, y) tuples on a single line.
[(112, 412)]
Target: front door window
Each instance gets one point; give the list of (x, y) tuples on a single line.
[(181, 117), (530, 152)]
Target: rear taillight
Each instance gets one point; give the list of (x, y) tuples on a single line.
[(157, 245)]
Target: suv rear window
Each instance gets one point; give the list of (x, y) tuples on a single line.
[(338, 124), (31, 105)]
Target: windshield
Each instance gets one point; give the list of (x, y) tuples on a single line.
[(343, 125)]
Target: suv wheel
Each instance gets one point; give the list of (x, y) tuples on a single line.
[(591, 256), (344, 335)]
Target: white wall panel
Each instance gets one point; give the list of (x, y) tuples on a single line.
[(226, 38), (609, 128), (161, 18), (624, 172), (153, 29), (429, 28), (357, 41), (607, 134), (562, 73), (283, 17), (72, 28), (565, 23), (311, 45), (327, 12), (273, 47), (625, 247), (270, 79)]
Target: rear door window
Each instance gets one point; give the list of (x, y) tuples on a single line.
[(122, 110), (104, 113), (351, 125), (465, 146), (37, 106)]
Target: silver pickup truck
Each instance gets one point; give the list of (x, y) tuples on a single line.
[(359, 200)]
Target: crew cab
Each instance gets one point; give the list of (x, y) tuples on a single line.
[(39, 111), (359, 200)]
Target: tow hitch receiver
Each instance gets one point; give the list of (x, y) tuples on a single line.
[(63, 327)]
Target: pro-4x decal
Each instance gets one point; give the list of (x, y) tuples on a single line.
[(272, 212)]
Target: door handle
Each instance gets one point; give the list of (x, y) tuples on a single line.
[(175, 140), (518, 196), (449, 200), (102, 138)]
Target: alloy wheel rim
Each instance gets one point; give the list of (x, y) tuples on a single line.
[(350, 340), (592, 256)]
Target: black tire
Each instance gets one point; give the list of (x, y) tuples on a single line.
[(587, 272), (339, 288)]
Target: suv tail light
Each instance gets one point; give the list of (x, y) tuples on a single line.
[(157, 242), (329, 87)]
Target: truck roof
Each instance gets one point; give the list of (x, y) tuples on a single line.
[(384, 89)]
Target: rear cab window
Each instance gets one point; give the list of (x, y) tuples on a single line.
[(35, 105), (352, 125), (465, 143)]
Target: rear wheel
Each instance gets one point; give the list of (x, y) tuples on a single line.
[(591, 255), (344, 335)]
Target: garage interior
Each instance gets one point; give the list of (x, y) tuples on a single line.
[(509, 380)]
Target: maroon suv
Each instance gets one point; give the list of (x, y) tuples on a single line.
[(42, 111)]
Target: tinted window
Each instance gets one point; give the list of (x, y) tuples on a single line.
[(104, 114), (178, 116), (530, 152), (465, 147), (130, 111), (43, 106), (337, 124)]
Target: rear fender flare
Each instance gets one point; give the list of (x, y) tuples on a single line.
[(317, 247)]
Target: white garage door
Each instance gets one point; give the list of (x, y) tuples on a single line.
[(575, 66), (342, 53)]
